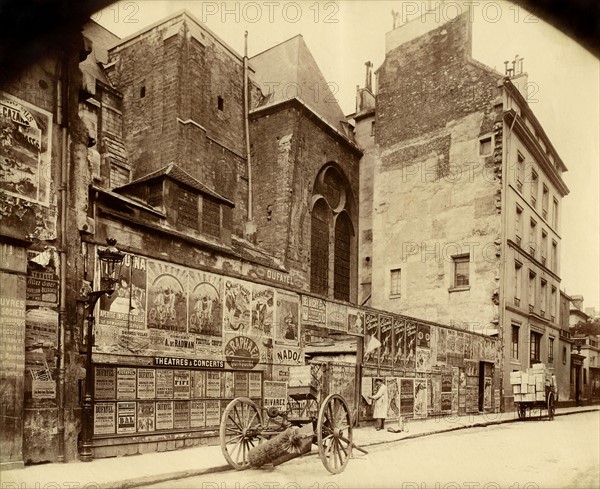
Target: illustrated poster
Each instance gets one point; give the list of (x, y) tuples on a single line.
[(407, 397), (205, 305), (399, 345), (356, 321), (126, 414), (393, 386), (167, 297), (337, 316), (314, 311), (386, 354), (237, 312), (420, 407), (371, 355), (145, 416), (263, 311), (198, 383), (287, 331), (423, 335), (411, 345)]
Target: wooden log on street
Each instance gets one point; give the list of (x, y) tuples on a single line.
[(287, 445)]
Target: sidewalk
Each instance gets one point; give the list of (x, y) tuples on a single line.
[(140, 470)]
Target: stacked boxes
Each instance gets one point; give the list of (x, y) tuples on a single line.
[(530, 386)]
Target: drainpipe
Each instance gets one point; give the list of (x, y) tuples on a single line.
[(249, 227), (62, 119)]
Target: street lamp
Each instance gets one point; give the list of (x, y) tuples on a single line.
[(111, 260)]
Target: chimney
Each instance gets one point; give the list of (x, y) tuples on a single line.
[(514, 71)]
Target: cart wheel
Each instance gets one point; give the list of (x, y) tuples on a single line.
[(240, 431), (334, 433), (551, 408)]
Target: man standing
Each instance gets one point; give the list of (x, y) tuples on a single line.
[(381, 403)]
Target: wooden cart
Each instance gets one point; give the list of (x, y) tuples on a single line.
[(527, 409), (245, 424)]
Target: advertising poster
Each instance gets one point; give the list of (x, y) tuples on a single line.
[(42, 278), (243, 352), (489, 351), (288, 355), (407, 397), (423, 360), (314, 311), (126, 307), (399, 345), (164, 384), (436, 396), (197, 415), (442, 345), (411, 345), (164, 415), (356, 321), (126, 383), (275, 394), (167, 297), (213, 384), (337, 316), (446, 402), (198, 383), (393, 385), (460, 342), (205, 304), (341, 381), (181, 384), (104, 418), (420, 407), (287, 330), (105, 383), (366, 389), (263, 311), (254, 385), (451, 341), (386, 351), (146, 383), (237, 312), (430, 395), (468, 346), (43, 389), (145, 416), (41, 328), (228, 384), (487, 393), (26, 150), (213, 413), (12, 332), (423, 335), (455, 382), (126, 413), (371, 354), (181, 414), (241, 385)]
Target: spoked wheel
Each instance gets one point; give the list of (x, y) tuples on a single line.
[(334, 433), (551, 408), (241, 427)]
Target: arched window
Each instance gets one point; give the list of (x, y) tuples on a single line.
[(332, 235)]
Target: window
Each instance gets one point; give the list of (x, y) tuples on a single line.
[(535, 340), (555, 213), (534, 187), (544, 250), (187, 209), (485, 146), (220, 103), (543, 297), (545, 201), (532, 237), (554, 257), (319, 252), (552, 303), (112, 120), (372, 128), (395, 282), (520, 171), (142, 92), (531, 289), (564, 355), (518, 225), (550, 350), (119, 176), (211, 217), (342, 243), (515, 342), (584, 375), (517, 280), (461, 270)]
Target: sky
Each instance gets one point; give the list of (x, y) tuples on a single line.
[(342, 35)]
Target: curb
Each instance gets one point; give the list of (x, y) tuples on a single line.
[(156, 479)]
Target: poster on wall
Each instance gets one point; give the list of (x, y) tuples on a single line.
[(126, 383), (228, 384), (181, 384), (104, 418), (455, 383), (254, 385), (487, 393), (105, 383), (145, 416), (42, 278), (423, 335), (423, 360), (386, 354), (181, 414), (241, 384), (164, 384), (146, 383), (126, 307), (287, 330), (164, 415), (356, 321), (314, 311), (441, 345), (372, 342), (420, 407), (198, 383), (399, 345), (206, 306), (263, 311), (337, 316), (197, 415), (468, 346), (167, 297), (407, 397), (393, 386), (26, 151), (126, 413), (366, 389), (460, 342), (411, 345), (451, 341), (213, 413), (213, 384), (237, 312), (341, 381), (275, 394), (288, 355), (243, 352), (41, 327)]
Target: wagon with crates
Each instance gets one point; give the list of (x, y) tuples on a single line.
[(534, 392), (255, 436)]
